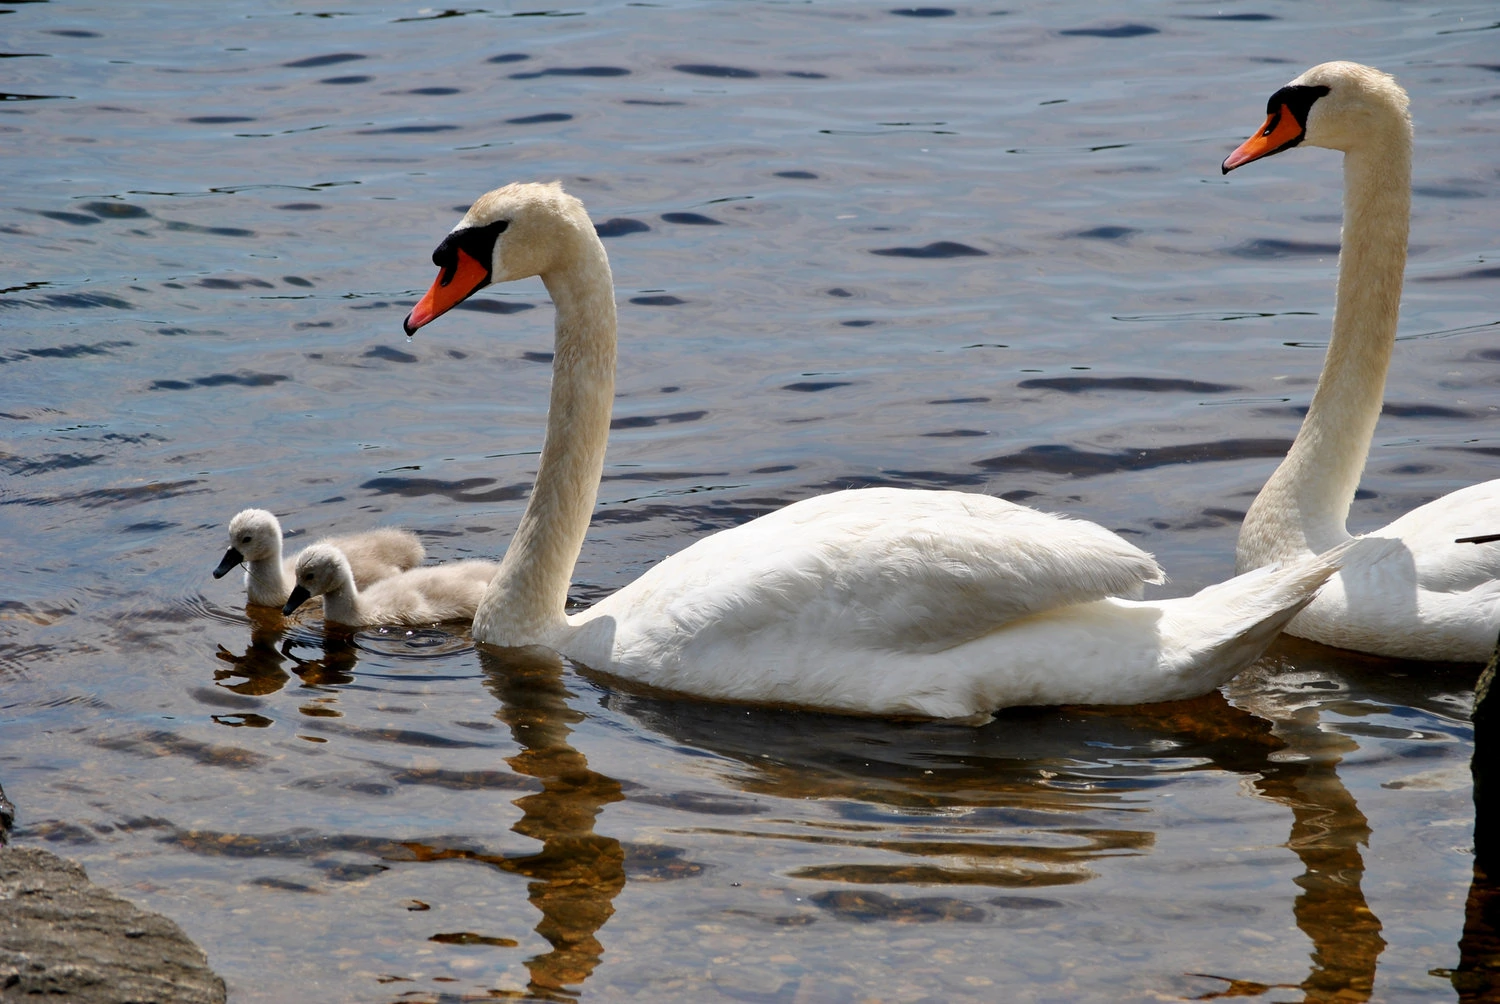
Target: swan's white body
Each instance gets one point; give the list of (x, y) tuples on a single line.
[(255, 540), (878, 601), (1434, 598), (420, 596)]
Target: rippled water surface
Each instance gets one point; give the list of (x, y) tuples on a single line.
[(979, 247)]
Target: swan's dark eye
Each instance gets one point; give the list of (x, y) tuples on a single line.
[(476, 242), (245, 539)]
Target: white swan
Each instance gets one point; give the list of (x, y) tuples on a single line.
[(879, 601), (255, 542), (1437, 598), (429, 595)]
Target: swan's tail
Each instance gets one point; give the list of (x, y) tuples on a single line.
[(1228, 625)]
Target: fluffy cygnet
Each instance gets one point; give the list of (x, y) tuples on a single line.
[(255, 542), (448, 592)]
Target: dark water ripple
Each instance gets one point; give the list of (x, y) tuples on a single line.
[(573, 71), (222, 380), (714, 70), (27, 467), (1082, 463), (399, 737), (161, 743), (620, 226), (540, 118), (407, 130), (66, 351), (116, 210), (75, 219), (651, 421), (1492, 272), (937, 249), (462, 491), (1228, 17), (691, 219), (328, 60), (1105, 233), (1113, 31), (122, 497), (814, 386), (866, 906), (490, 305), (1269, 247), (1150, 385), (388, 354)]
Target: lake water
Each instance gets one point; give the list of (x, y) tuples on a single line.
[(975, 246)]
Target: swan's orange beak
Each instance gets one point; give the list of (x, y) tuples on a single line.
[(448, 291), (1280, 131)]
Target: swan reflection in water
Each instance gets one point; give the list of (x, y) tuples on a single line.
[(1047, 761), (267, 664), (1017, 805)]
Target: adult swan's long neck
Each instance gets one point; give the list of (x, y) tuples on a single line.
[(1304, 506), (526, 601)]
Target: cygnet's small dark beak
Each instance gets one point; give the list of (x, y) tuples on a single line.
[(299, 596), (232, 558)]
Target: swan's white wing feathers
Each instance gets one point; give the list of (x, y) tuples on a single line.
[(886, 568), (1430, 533)]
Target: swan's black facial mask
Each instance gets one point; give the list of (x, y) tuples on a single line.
[(1284, 128), (465, 259), (476, 242)]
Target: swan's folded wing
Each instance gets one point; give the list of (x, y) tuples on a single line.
[(887, 568), (1431, 532)]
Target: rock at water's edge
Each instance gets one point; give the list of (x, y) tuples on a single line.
[(64, 938)]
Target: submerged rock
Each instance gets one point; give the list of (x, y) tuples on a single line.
[(64, 938)]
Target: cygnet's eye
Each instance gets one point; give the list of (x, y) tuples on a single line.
[(245, 539)]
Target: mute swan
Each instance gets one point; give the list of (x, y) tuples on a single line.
[(448, 592), (878, 601), (255, 541), (1438, 599)]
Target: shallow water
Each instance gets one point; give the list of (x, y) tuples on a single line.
[(972, 247)]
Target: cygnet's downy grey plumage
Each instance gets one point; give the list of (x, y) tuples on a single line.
[(429, 595), (255, 542)]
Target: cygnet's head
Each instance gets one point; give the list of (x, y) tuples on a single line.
[(514, 232), (321, 568), (254, 535), (1338, 105)]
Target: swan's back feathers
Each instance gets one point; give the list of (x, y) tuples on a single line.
[(887, 568)]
